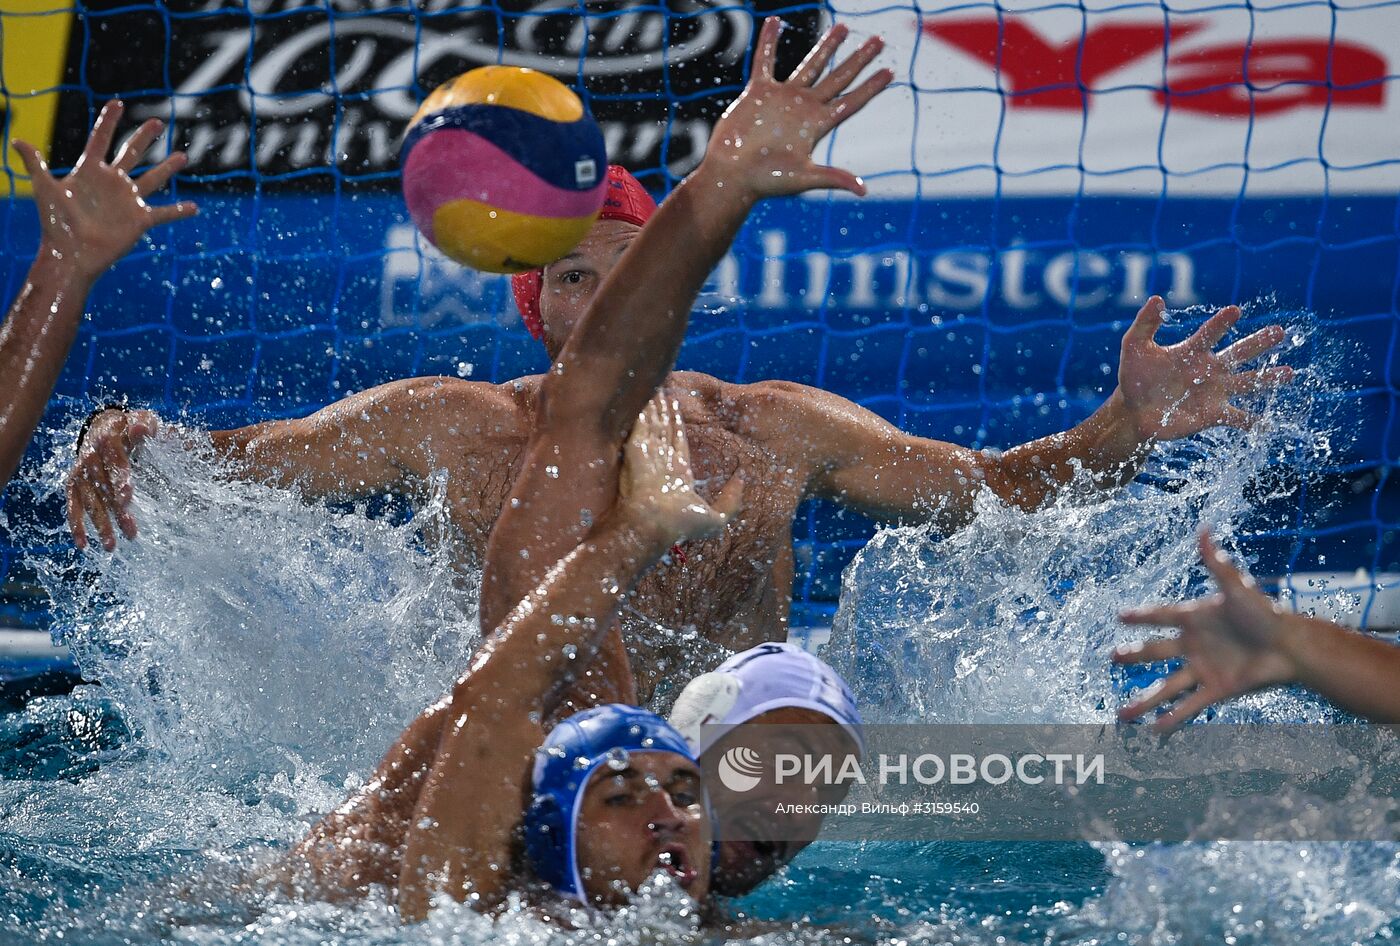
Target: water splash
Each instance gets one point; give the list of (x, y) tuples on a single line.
[(1246, 893), (259, 653), (1012, 618), (248, 629)]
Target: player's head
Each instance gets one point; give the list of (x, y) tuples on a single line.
[(617, 797), (553, 299), (778, 685)]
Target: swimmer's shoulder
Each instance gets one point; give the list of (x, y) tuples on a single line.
[(454, 405), (767, 410), (727, 396), (761, 410)]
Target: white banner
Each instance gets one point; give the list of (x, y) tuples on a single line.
[(1115, 98)]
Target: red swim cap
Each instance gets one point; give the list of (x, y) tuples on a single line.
[(626, 200)]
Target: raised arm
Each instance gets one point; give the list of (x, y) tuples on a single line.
[(761, 147), (1164, 392), (1238, 640), (459, 839), (626, 343), (856, 458), (87, 221)]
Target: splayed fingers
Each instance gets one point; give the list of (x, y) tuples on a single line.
[(1215, 328), (816, 61), (1177, 390), (1161, 692), (136, 145), (104, 130), (1252, 345), (96, 214), (765, 58), (1231, 643), (1183, 693), (1154, 651), (1191, 705), (1260, 379), (844, 74), (764, 141)]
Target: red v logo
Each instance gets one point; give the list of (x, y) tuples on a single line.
[(1042, 75)]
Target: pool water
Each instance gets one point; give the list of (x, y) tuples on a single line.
[(258, 654), (68, 758)]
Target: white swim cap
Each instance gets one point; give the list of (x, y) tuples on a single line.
[(766, 677)]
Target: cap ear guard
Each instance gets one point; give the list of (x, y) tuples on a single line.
[(547, 846), (526, 288), (706, 700)]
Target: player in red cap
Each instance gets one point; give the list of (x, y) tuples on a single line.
[(788, 441), (627, 200)]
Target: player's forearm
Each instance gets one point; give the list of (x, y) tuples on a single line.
[(557, 629), (898, 476), (34, 343), (628, 340), (1353, 670), (318, 455), (1107, 446), (271, 453)]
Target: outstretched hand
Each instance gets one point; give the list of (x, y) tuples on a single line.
[(1231, 643), (656, 491), (763, 143), (1177, 390), (99, 485), (95, 215)]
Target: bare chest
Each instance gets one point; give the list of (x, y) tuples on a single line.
[(708, 598), (724, 594)]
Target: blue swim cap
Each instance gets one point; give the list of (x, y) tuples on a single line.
[(770, 676), (570, 755)]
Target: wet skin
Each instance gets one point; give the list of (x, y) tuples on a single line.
[(87, 221), (465, 804), (441, 812), (732, 590), (628, 820), (790, 442)]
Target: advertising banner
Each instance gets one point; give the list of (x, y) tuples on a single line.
[(1201, 98), (299, 95)]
